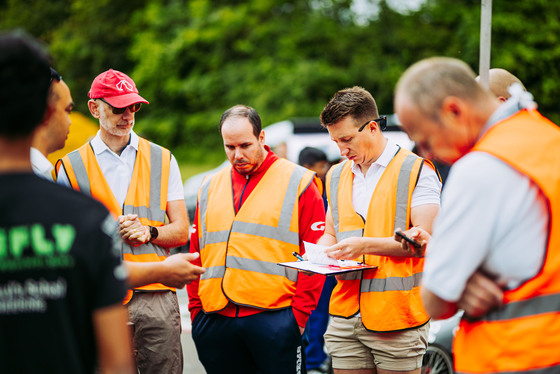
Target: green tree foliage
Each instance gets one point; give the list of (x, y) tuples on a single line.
[(283, 58), (194, 59)]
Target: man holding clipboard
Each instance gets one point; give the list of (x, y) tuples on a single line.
[(378, 323)]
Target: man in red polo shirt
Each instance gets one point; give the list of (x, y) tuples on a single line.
[(247, 310)]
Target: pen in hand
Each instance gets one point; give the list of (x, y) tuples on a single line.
[(298, 256)]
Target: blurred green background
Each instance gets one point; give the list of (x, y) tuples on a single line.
[(194, 59)]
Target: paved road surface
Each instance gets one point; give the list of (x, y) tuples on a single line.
[(191, 363)]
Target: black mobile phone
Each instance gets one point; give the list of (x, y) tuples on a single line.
[(410, 240)]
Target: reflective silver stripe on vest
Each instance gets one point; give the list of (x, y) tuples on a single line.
[(80, 171), (217, 237), (524, 308), (352, 275), (391, 283), (349, 234), (144, 249), (403, 185), (154, 212), (263, 267), (202, 209), (282, 231), (555, 369), (213, 272), (156, 163), (335, 181), (266, 231)]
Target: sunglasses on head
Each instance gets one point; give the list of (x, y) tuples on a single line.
[(55, 75), (133, 108), (382, 121)]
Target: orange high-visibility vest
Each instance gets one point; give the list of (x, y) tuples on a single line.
[(388, 298), (523, 336), (240, 251), (146, 195)]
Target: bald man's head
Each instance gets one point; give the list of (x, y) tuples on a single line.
[(499, 82), (428, 82), (442, 107)]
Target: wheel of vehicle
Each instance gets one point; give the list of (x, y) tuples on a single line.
[(437, 361)]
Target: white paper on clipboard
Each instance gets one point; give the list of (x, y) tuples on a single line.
[(318, 262)]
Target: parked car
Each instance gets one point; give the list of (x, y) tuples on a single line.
[(439, 357)]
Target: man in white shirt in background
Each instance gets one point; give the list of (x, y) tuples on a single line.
[(53, 131), (140, 183)]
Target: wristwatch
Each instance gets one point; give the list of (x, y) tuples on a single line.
[(153, 233)]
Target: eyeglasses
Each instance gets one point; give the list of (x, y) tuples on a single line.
[(133, 108), (382, 121)]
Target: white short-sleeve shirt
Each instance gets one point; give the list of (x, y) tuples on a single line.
[(492, 218), (118, 169), (427, 190)]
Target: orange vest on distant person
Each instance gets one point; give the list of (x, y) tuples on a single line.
[(388, 298), (523, 336), (146, 195), (240, 251)]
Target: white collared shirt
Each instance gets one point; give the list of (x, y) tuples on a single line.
[(492, 218), (427, 190), (41, 165), (117, 170)]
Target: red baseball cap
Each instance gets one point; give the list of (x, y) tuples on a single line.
[(117, 88)]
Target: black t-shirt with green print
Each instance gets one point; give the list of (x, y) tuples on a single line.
[(59, 262)]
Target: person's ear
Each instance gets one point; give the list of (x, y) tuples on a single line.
[(453, 110), (93, 108), (261, 137)]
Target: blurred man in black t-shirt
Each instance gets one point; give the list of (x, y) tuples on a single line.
[(61, 281)]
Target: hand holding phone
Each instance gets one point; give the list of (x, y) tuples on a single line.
[(411, 241)]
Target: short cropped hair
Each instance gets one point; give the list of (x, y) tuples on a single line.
[(311, 155), (25, 78), (243, 111), (355, 102), (428, 82), (499, 80)]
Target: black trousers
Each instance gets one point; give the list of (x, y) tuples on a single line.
[(264, 343)]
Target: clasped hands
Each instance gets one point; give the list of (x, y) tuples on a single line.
[(132, 231)]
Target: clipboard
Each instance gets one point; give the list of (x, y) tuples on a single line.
[(345, 266)]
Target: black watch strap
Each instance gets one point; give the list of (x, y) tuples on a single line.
[(153, 233)]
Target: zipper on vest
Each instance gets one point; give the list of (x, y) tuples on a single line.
[(242, 192)]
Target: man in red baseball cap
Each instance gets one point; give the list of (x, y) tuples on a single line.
[(117, 88), (140, 183)]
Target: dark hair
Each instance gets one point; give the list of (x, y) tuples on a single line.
[(310, 155), (355, 102), (52, 96), (243, 111), (25, 78)]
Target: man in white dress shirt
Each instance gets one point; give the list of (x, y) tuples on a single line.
[(140, 183), (52, 133), (378, 322), (51, 136)]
